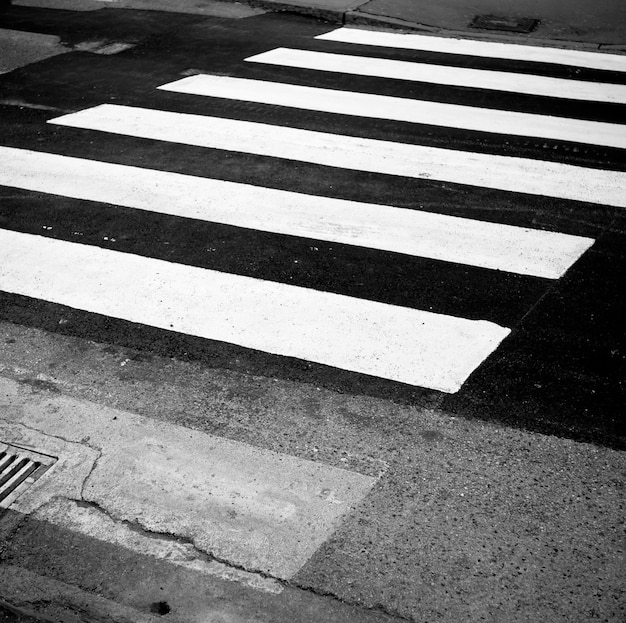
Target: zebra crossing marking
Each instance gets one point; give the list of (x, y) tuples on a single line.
[(397, 343), (485, 49), (406, 345), (444, 75), (436, 236), (535, 177), (439, 114)]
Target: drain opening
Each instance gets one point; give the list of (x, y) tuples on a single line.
[(499, 22), (19, 469)]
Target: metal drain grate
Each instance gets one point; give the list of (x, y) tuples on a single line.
[(20, 468), (509, 24)]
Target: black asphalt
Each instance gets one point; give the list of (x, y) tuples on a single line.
[(561, 371)]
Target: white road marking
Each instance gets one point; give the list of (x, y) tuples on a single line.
[(402, 109), (551, 179), (488, 49), (406, 345), (413, 232), (442, 74)]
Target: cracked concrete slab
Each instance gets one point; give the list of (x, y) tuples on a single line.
[(255, 508)]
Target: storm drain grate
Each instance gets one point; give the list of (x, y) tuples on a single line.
[(509, 24), (20, 468)]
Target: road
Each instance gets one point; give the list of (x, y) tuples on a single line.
[(377, 270)]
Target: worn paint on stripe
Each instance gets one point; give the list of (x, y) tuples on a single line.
[(445, 75), (402, 109), (397, 343), (486, 49), (423, 234), (522, 175), (258, 509)]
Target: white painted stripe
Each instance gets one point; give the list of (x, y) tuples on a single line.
[(397, 343), (441, 237), (488, 49), (522, 175), (400, 109), (442, 74)]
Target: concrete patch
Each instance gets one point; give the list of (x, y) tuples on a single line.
[(254, 508), (18, 48)]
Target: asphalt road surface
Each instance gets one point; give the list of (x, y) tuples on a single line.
[(551, 358), (353, 220)]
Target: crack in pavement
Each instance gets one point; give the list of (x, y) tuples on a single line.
[(188, 554)]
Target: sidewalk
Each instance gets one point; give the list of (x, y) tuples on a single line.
[(577, 23)]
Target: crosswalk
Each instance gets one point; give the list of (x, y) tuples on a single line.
[(402, 109), (443, 74), (407, 344), (480, 49), (347, 152)]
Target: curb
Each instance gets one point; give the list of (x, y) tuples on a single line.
[(336, 16), (21, 615), (355, 17)]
